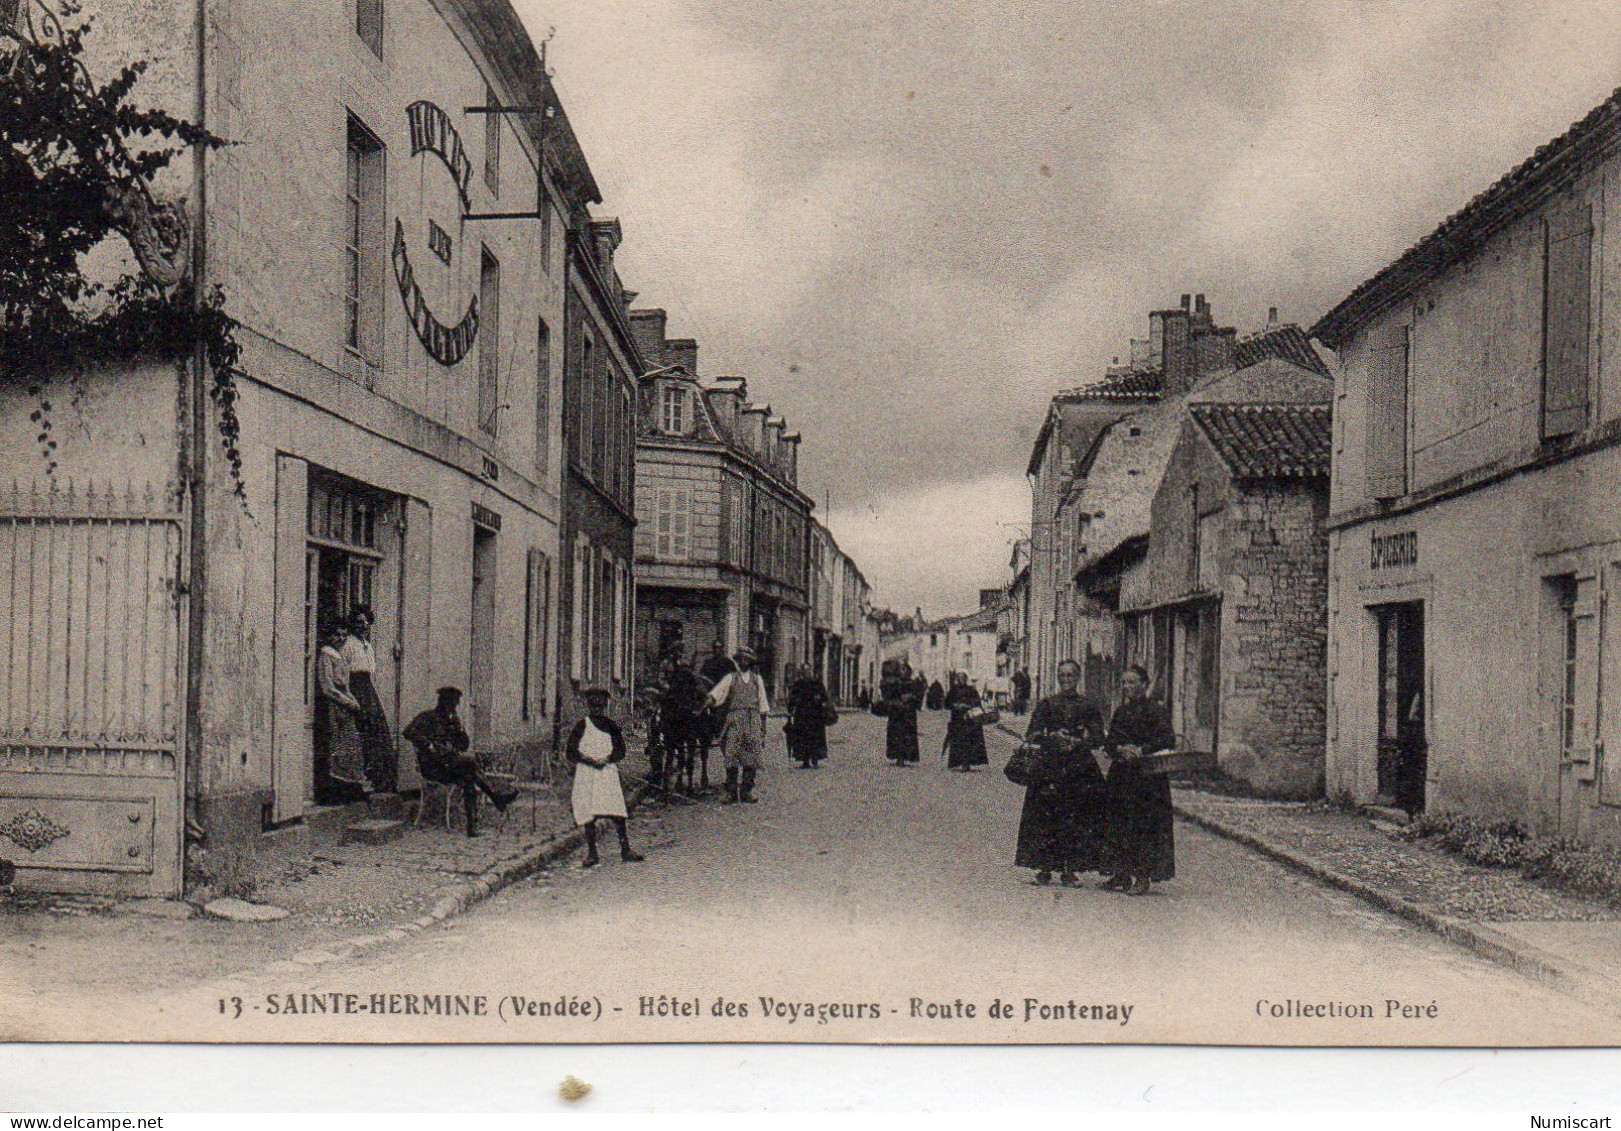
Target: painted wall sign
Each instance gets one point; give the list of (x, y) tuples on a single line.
[(447, 344), (432, 132), (485, 517), (1395, 551)]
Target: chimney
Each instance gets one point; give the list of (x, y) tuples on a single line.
[(682, 352), (773, 442), (1271, 318), (751, 428), (726, 397), (647, 327), (790, 457), (1186, 299), (1179, 367)]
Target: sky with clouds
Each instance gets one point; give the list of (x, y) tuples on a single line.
[(909, 222)]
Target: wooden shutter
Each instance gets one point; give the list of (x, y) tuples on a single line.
[(681, 524), (536, 629), (1567, 298), (292, 738), (1584, 736), (1387, 418)]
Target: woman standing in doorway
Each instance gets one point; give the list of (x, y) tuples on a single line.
[(340, 775), (382, 760)]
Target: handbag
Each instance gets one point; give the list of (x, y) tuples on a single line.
[(830, 715), (1024, 767)]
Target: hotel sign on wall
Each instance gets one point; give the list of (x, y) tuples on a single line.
[(432, 132), (1394, 551)]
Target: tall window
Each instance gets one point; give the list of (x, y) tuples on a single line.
[(1567, 281), (537, 613), (673, 410), (672, 524), (368, 24), (489, 348), (1569, 655), (581, 611), (543, 398), (492, 143), (363, 209)]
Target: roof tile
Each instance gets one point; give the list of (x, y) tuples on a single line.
[(1269, 441)]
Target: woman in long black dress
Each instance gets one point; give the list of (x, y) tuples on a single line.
[(1142, 839), (965, 738), (898, 701), (808, 707), (1061, 827)]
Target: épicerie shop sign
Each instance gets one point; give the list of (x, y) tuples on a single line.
[(1394, 551), (432, 132)]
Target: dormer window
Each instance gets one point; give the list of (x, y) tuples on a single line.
[(673, 410)]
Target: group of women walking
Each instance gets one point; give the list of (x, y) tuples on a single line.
[(901, 694), (1092, 807)]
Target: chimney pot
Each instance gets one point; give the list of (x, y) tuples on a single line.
[(1186, 299), (1271, 316)]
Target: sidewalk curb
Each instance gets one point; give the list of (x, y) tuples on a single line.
[(1532, 961), (452, 900)]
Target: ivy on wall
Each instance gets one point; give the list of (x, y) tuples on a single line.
[(77, 162)]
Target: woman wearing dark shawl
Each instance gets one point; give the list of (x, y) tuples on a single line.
[(898, 701), (808, 708), (965, 738), (1061, 827), (1142, 845)]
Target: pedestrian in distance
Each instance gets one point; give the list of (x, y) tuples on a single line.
[(596, 746), (898, 701), (965, 734), (340, 759), (935, 698), (810, 713), (1141, 828), (444, 756), (741, 700), (1061, 827), (376, 739), (1021, 691)]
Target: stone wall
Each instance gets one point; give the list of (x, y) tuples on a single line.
[(1272, 729)]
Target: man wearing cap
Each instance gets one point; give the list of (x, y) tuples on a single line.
[(442, 755), (741, 698)]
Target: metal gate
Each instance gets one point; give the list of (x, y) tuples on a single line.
[(90, 686)]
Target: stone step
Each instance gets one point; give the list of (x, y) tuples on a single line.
[(386, 806), (373, 830)]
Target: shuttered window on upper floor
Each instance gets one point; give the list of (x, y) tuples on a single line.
[(369, 24), (672, 524), (1566, 319), (1387, 416)]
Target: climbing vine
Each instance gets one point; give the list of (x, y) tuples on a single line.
[(77, 163)]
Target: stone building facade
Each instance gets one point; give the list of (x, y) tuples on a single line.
[(596, 625), (397, 441), (1475, 546), (1233, 617), (723, 543)]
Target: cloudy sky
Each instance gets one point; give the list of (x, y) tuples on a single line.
[(909, 222)]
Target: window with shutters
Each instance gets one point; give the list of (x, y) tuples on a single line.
[(1566, 320), (492, 144), (489, 344), (578, 618), (363, 243), (673, 410), (543, 398), (1388, 380), (537, 613), (672, 524), (621, 643), (369, 24)]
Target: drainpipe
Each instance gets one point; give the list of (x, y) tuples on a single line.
[(195, 454)]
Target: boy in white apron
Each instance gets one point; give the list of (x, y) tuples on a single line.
[(596, 745)]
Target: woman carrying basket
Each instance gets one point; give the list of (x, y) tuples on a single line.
[(1142, 840), (1061, 827)]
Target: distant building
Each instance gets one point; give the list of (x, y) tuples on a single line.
[(840, 605), (1475, 539), (724, 540)]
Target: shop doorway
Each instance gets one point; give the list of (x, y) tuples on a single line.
[(1403, 749)]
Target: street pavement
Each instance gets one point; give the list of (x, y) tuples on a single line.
[(863, 901)]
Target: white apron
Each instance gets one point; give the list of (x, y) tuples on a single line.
[(597, 792)]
